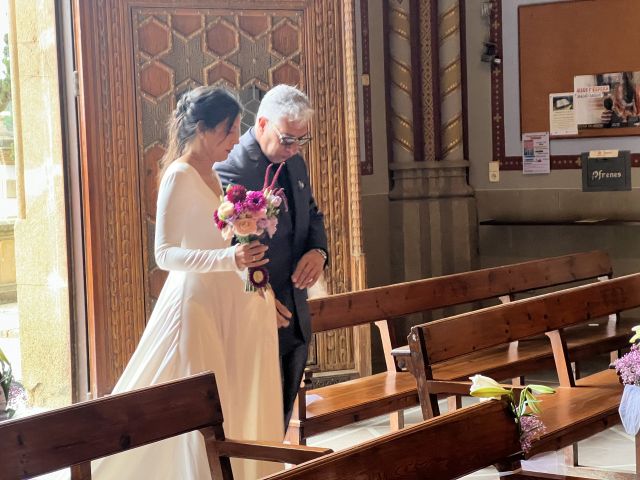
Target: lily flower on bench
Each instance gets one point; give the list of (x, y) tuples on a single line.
[(636, 334), (524, 409)]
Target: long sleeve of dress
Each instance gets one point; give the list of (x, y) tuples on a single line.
[(172, 220)]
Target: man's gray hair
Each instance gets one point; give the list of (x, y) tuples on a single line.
[(285, 102)]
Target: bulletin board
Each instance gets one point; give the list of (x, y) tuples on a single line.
[(560, 40)]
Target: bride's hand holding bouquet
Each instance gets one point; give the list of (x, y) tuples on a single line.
[(248, 215)]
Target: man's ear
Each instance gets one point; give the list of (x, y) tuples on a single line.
[(262, 124)]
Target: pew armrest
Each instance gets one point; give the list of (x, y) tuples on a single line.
[(270, 451)]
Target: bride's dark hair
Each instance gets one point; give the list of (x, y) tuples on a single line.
[(200, 109)]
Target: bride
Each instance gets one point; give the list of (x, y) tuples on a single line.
[(203, 319)]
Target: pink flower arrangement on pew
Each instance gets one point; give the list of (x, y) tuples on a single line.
[(525, 412), (628, 368), (248, 215)]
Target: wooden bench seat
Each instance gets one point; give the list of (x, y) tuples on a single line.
[(581, 407), (382, 305), (575, 413), (80, 433), (355, 400)]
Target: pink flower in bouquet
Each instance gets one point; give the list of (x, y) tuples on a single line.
[(255, 201), (262, 222), (236, 193), (275, 200), (271, 226), (226, 210), (244, 227), (260, 214), (219, 223)]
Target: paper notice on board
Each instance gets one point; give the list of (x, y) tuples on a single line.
[(562, 115), (535, 153)]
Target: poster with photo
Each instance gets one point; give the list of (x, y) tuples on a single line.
[(535, 153), (607, 100)]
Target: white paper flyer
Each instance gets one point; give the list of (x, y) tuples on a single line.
[(562, 118), (535, 153)]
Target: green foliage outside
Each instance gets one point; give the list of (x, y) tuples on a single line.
[(5, 83)]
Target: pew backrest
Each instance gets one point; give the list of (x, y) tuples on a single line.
[(382, 303), (441, 448), (488, 327), (75, 435), (454, 337)]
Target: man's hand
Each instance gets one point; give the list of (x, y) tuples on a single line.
[(308, 269), (283, 314)]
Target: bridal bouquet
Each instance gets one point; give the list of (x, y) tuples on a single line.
[(628, 368), (525, 411), (248, 215)]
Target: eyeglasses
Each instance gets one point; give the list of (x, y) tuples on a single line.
[(288, 140)]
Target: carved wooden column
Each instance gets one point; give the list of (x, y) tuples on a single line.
[(433, 214)]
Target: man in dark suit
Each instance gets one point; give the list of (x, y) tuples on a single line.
[(298, 250)]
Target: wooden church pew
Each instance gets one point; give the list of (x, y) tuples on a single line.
[(441, 448), (75, 435), (580, 408), (337, 405)]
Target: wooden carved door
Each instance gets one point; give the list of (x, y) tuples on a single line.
[(135, 60)]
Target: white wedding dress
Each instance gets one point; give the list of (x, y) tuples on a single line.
[(203, 320)]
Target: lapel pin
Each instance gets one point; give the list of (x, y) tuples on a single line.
[(300, 184)]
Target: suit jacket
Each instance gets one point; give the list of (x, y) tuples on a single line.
[(246, 166)]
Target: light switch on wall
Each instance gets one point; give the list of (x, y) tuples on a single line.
[(494, 171)]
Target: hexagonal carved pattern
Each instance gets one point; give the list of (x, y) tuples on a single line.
[(222, 39), (153, 38), (285, 74), (285, 40), (186, 24), (155, 80), (254, 25), (223, 71)]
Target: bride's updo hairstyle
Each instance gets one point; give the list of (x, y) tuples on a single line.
[(201, 109)]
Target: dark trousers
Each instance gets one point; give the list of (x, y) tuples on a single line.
[(293, 359)]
